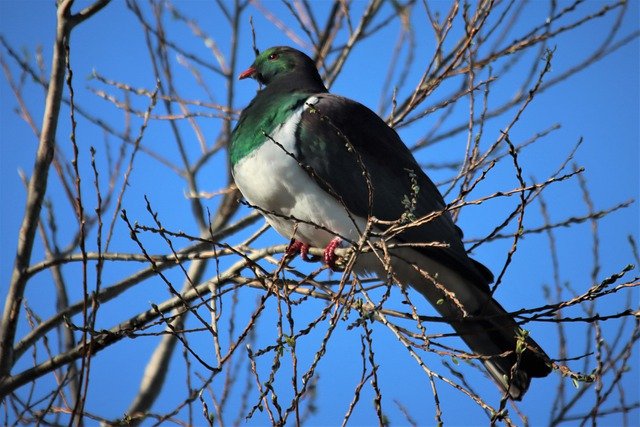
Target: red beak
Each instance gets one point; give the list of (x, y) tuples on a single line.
[(249, 72)]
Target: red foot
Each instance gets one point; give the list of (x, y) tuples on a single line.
[(329, 257), (298, 246)]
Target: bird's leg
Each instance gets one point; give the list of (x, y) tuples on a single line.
[(297, 246), (329, 257)]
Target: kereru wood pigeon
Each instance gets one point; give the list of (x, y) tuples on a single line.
[(318, 166)]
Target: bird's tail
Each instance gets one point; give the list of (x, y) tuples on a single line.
[(510, 356)]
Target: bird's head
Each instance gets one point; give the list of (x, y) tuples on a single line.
[(283, 63)]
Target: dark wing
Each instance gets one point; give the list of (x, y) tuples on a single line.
[(338, 137)]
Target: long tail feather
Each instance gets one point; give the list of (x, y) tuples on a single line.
[(513, 357), (510, 356)]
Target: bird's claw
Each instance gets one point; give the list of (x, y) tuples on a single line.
[(295, 247), (329, 256)]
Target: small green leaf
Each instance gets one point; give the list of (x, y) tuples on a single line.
[(290, 341)]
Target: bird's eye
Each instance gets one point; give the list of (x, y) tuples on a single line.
[(273, 56)]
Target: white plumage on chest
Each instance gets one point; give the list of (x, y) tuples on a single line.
[(271, 179)]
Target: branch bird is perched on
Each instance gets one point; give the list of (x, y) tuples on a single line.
[(317, 166)]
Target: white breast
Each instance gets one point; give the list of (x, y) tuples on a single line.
[(271, 179)]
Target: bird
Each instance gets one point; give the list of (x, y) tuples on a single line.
[(319, 166)]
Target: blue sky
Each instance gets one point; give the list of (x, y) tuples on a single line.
[(600, 104)]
